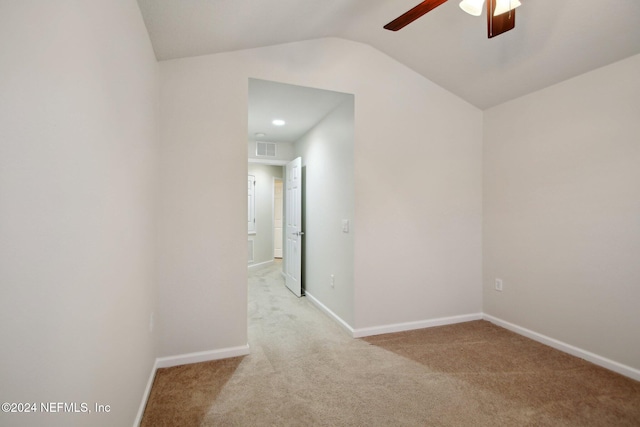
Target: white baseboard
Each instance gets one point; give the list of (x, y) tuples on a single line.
[(260, 265), (329, 313), (596, 359), (397, 327), (420, 324), (201, 356), (612, 365), (145, 396)]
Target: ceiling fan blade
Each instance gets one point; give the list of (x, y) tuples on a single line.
[(497, 25), (413, 14)]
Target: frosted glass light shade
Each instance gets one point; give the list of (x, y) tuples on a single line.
[(472, 7), (504, 6)]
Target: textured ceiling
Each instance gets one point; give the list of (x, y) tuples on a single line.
[(553, 40)]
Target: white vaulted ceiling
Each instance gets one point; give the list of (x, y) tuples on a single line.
[(553, 40)]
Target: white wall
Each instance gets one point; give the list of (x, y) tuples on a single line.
[(418, 198), (417, 181), (327, 161), (562, 211), (202, 234), (77, 177), (263, 238)]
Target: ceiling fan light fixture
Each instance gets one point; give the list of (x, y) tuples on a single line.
[(504, 6), (472, 7)]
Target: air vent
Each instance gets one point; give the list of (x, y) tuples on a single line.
[(266, 149)]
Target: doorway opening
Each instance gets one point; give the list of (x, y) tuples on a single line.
[(316, 126), (278, 215)]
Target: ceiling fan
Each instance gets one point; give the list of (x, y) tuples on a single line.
[(501, 14)]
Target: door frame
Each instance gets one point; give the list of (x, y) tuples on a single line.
[(273, 215)]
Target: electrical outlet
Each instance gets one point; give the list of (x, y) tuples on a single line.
[(333, 281), (499, 285)]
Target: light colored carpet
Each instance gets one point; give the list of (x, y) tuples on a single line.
[(304, 370)]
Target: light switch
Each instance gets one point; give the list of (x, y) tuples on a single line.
[(345, 225)]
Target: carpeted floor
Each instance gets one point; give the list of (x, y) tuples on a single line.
[(304, 370)]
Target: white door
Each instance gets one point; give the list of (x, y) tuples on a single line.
[(277, 219), (293, 219)]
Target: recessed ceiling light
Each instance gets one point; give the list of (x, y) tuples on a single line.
[(278, 122), (260, 135)]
